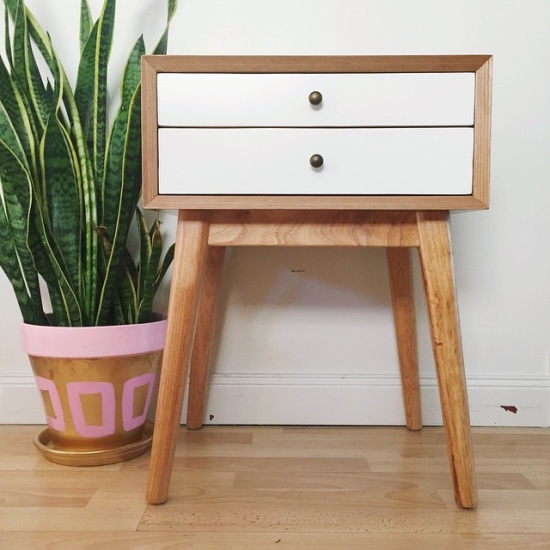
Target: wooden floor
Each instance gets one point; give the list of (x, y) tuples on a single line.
[(241, 488)]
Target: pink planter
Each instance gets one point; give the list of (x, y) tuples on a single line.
[(82, 342), (96, 384)]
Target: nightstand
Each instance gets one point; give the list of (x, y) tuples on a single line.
[(315, 151)]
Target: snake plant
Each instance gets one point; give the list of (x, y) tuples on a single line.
[(70, 177)]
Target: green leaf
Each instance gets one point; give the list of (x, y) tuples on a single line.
[(152, 267), (121, 190), (83, 168), (86, 23), (29, 231), (145, 249), (9, 262), (48, 264), (124, 300), (66, 308), (27, 291), (87, 183), (15, 256), (150, 259), (162, 45), (127, 288), (7, 35), (163, 268), (39, 37), (62, 199), (11, 267), (61, 169), (25, 66), (17, 109), (86, 191), (131, 79), (91, 87), (10, 137)]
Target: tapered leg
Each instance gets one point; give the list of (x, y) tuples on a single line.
[(399, 268), (204, 336), (436, 259), (189, 261)]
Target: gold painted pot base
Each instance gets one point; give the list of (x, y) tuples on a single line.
[(93, 458)]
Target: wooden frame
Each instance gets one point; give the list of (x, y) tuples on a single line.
[(208, 224), (201, 239), (481, 65)]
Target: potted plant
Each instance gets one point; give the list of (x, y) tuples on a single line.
[(69, 205)]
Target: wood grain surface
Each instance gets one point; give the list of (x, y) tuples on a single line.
[(292, 488)]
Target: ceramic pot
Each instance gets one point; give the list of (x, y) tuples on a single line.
[(96, 384)]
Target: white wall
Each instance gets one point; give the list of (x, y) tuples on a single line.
[(320, 334)]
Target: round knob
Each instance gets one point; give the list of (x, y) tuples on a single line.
[(316, 161), (315, 98)]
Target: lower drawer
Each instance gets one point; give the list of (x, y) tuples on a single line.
[(276, 161)]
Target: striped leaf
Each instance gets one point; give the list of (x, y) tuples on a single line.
[(68, 187), (87, 184), (15, 257), (10, 264), (124, 149), (148, 271), (91, 86), (86, 23), (123, 166), (131, 79), (127, 288), (17, 110), (161, 47), (49, 263), (83, 171), (62, 199), (164, 266), (9, 136), (7, 35), (25, 67), (145, 252), (17, 264), (30, 234)]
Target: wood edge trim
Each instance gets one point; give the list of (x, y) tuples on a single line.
[(245, 202), (310, 64), (313, 228), (481, 64), (149, 131), (482, 133)]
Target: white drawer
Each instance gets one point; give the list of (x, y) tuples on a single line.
[(276, 161), (237, 100)]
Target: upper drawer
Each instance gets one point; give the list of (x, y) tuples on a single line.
[(267, 100)]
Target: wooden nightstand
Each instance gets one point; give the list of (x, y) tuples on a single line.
[(315, 151)]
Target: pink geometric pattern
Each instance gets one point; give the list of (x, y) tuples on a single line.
[(57, 422), (107, 391), (129, 422)]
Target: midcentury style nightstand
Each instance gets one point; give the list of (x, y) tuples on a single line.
[(315, 151)]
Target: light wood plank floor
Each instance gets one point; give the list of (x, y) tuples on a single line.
[(255, 488)]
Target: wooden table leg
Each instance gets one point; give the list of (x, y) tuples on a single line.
[(189, 261), (436, 259), (400, 274), (204, 336)]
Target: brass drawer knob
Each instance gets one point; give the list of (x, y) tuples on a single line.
[(316, 161), (315, 98)]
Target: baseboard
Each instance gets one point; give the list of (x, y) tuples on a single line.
[(369, 400), (19, 400), (327, 400)]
